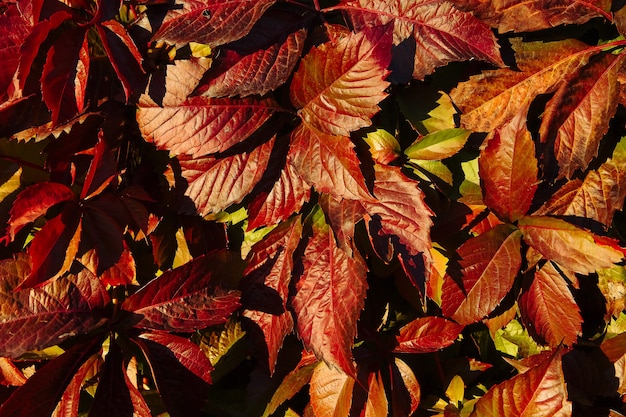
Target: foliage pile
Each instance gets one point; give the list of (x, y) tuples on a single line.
[(316, 208)]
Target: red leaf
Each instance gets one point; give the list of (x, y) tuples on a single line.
[(216, 183), (550, 309), (490, 262), (338, 85), (330, 295), (442, 33), (490, 99), (54, 248), (214, 22), (201, 126), (427, 334), (400, 208), (15, 27), (189, 297), (330, 392), (69, 402), (292, 383), (64, 63), (540, 391), (124, 272), (327, 162), (10, 375), (37, 318), (33, 202), (508, 169), (342, 216), (578, 115), (376, 404), (573, 248), (259, 72), (123, 55), (116, 395), (287, 196), (532, 15), (168, 373), (270, 264), (187, 353), (181, 78), (405, 390), (49, 383), (598, 197), (102, 170), (105, 236)]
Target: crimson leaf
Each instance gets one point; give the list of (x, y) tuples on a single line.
[(427, 334)]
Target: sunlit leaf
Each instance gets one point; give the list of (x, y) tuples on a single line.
[(292, 383), (427, 334), (438, 145), (330, 391)]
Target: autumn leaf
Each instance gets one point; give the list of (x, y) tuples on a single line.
[(270, 266), (333, 285), (292, 383), (491, 98), (578, 115), (213, 22), (376, 404), (330, 391), (342, 216), (528, 16), (569, 246), (549, 308), (404, 401), (538, 392), (384, 147), (441, 32), (200, 125), (508, 169), (259, 72), (338, 85), (438, 145), (15, 27), (327, 162), (189, 297), (427, 334), (490, 262), (216, 183), (36, 318), (180, 78)]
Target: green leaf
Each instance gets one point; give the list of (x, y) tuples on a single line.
[(439, 145)]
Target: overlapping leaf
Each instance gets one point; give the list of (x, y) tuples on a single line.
[(258, 72), (213, 22), (276, 253), (189, 297), (427, 334), (508, 169), (493, 97), (575, 249), (330, 295), (598, 196), (37, 318), (442, 33), (181, 78), (200, 125), (490, 262), (342, 217), (14, 27), (216, 183), (528, 16), (338, 85), (550, 309), (327, 162), (538, 392), (330, 391)]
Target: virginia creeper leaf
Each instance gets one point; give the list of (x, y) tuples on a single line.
[(550, 308), (529, 16), (200, 125), (427, 334), (384, 147), (327, 162), (69, 402), (508, 169), (578, 115), (489, 99), (330, 295), (111, 398), (189, 297), (275, 252), (442, 32), (287, 196), (259, 72), (216, 183), (49, 383), (338, 85), (342, 216), (292, 383), (34, 201), (106, 237), (538, 392), (181, 78), (36, 318), (402, 374), (64, 75), (187, 353), (213, 22), (575, 249), (438, 145), (15, 27), (376, 404), (54, 248), (10, 375), (400, 208), (330, 391), (490, 262)]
